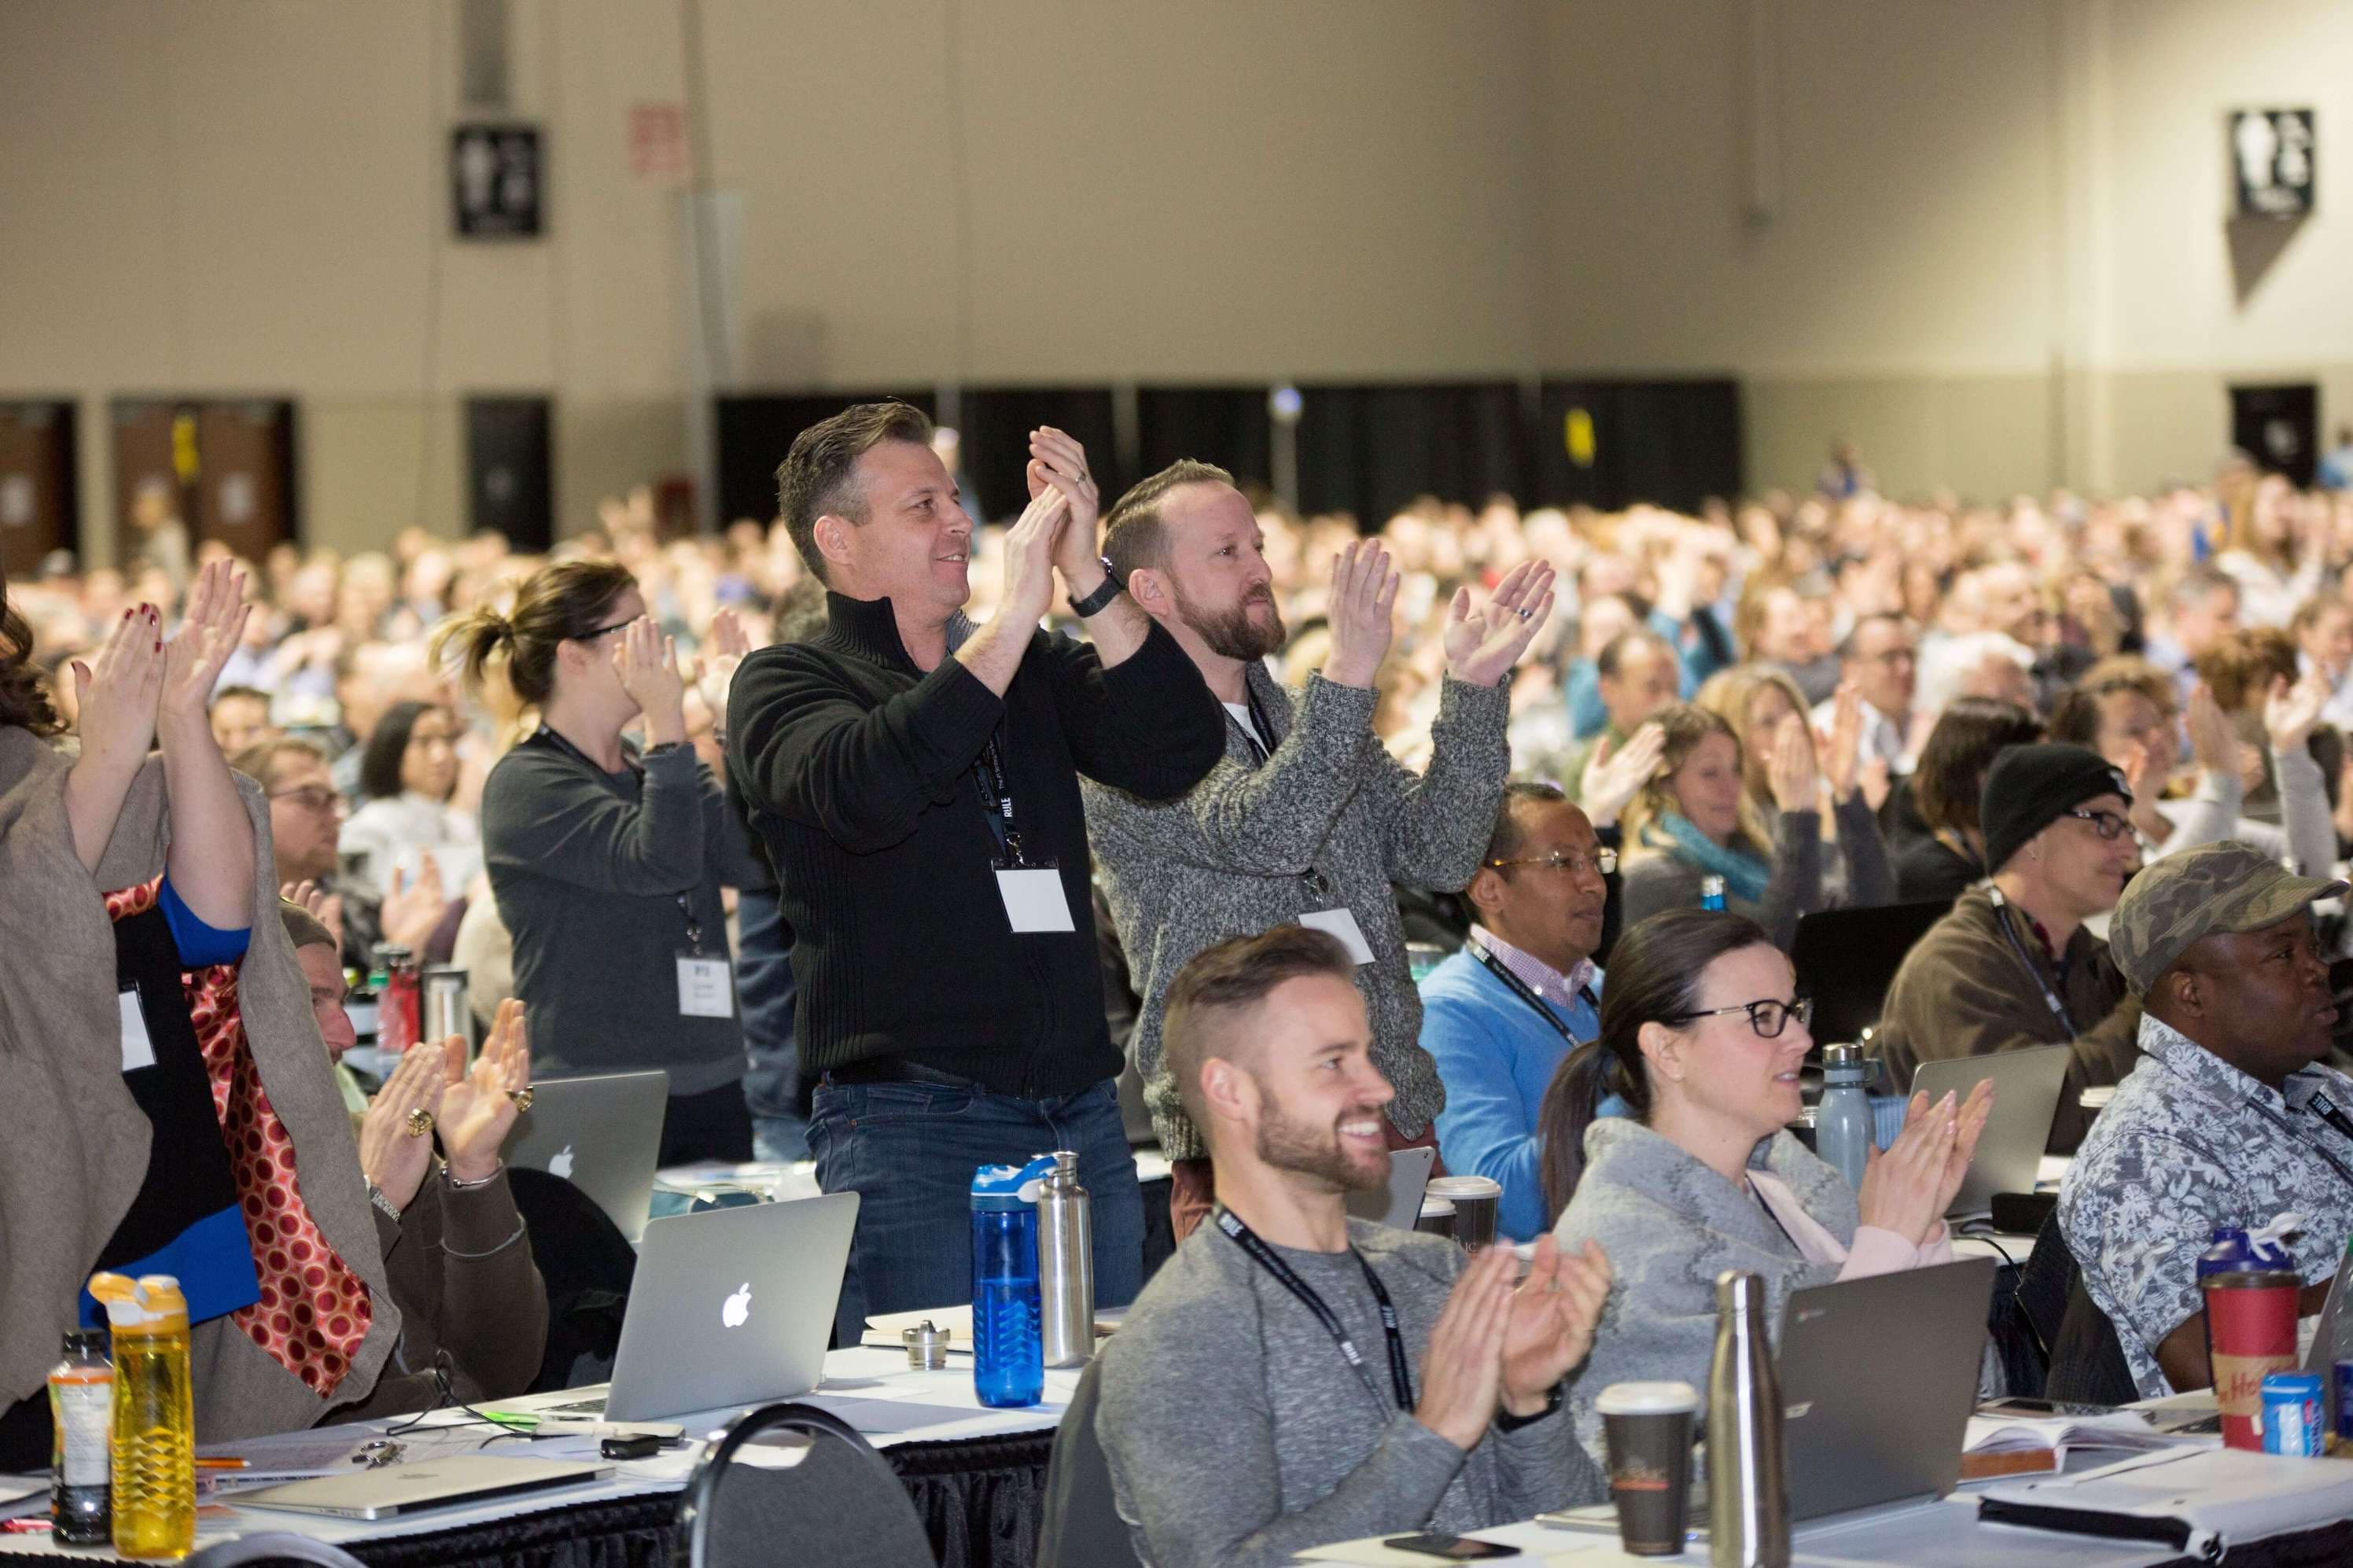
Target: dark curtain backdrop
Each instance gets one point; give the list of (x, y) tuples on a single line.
[(755, 430), (996, 422), (1227, 426), (1370, 450), (1671, 443)]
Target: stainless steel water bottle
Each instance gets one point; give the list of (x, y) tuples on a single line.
[(1066, 1265), (1747, 1492)]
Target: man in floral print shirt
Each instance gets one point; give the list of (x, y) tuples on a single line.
[(2229, 1119)]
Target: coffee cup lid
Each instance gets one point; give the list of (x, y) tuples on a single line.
[(1433, 1207), (1647, 1399), (1459, 1187)]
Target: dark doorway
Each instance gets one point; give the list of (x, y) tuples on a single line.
[(1612, 443), (996, 436), (38, 499), (510, 488), (2279, 427), (1371, 450), (1228, 425), (755, 430), (224, 467)]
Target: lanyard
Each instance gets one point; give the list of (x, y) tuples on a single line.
[(685, 904), (1496, 967), (2050, 997), (1259, 1253), (997, 799)]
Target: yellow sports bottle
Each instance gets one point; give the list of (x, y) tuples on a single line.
[(154, 1415)]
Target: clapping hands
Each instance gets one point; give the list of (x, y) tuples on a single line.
[(1481, 643), (1498, 1345), (1614, 775)]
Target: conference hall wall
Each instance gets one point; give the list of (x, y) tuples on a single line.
[(1986, 240)]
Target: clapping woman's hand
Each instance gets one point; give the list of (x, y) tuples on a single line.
[(478, 1107)]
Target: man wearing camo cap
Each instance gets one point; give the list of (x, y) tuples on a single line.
[(2229, 1119)]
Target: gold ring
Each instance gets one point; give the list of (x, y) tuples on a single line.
[(420, 1123), (521, 1096)]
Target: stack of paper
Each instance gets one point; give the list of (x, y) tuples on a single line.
[(2123, 1431)]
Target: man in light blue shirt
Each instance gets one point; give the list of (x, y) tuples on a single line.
[(1499, 1016)]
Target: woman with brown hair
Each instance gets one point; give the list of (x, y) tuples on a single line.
[(1693, 821), (606, 856), (172, 1110), (1940, 866)]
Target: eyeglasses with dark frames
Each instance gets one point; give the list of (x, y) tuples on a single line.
[(1605, 861), (1767, 1016), (2106, 823)]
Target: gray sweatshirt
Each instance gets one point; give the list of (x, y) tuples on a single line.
[(1228, 859), (1236, 1433)]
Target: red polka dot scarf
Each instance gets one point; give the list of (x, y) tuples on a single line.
[(313, 1312)]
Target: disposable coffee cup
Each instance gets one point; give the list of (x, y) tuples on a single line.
[(2251, 1318), (1474, 1199), (1647, 1429), (1437, 1217)]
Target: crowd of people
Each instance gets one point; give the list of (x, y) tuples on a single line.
[(897, 842)]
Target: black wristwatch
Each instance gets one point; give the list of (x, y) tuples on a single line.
[(1096, 603), (1507, 1422)]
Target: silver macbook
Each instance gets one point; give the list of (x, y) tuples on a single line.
[(603, 1134), (1878, 1378), (1398, 1205), (730, 1307), (390, 1490), (2026, 1086)]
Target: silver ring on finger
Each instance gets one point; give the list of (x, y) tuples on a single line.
[(1524, 615)]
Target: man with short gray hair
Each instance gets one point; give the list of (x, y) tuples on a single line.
[(2231, 1116)]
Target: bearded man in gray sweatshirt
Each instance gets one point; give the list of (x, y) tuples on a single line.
[(1307, 818), (1293, 1377)]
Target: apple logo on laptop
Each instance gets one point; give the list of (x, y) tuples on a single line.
[(560, 1166), (738, 1307)]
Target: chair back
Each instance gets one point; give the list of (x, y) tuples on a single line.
[(1083, 1528), (588, 1265), (840, 1506), (2086, 1360), (271, 1546)]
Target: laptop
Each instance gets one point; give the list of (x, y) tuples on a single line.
[(1399, 1205), (730, 1307), (2026, 1088), (1878, 1378), (603, 1134), (1846, 960), (390, 1490)]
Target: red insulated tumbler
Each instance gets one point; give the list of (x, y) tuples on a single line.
[(2250, 1334)]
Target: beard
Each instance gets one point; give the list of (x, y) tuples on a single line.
[(1311, 1151), (1231, 634)]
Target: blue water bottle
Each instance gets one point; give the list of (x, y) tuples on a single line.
[(1008, 1361), (1843, 1120), (1711, 893)]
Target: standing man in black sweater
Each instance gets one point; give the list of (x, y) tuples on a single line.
[(915, 779)]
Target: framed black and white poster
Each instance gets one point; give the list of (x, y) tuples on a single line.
[(495, 180), (2272, 163)]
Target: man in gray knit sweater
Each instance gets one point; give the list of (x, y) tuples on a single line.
[(1308, 818), (1293, 1377)]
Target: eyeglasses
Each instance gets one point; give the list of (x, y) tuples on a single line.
[(1767, 1016), (608, 631), (2106, 823), (1602, 860), (311, 797)]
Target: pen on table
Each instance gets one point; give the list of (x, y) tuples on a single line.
[(226, 1462)]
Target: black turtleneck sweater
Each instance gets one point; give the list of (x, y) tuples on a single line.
[(858, 773)]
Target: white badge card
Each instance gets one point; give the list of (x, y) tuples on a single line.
[(138, 1050), (705, 988), (1342, 924), (1034, 899)]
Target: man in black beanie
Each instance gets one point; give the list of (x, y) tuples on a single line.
[(2013, 967)]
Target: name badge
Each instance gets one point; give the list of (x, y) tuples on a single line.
[(705, 988), (1033, 900), (138, 1050), (1339, 922)]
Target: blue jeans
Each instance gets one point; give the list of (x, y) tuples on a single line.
[(765, 993), (909, 1150)]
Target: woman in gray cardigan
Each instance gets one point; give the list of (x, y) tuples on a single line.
[(1694, 820), (1667, 1141)]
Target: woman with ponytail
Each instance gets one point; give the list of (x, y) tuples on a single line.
[(1667, 1140), (606, 856)]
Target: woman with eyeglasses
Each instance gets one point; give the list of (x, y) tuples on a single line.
[(1667, 1140), (606, 855)]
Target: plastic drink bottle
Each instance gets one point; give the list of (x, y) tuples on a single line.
[(1008, 1361), (1842, 1120), (81, 1412), (1711, 893), (154, 1448)]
